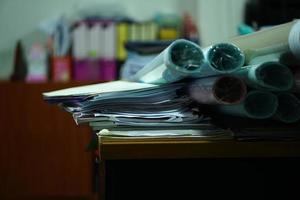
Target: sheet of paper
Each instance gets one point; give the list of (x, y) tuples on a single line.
[(163, 133), (114, 86)]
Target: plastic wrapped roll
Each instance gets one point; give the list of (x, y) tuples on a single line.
[(271, 76), (279, 38), (274, 57), (286, 58), (180, 60), (222, 58), (288, 110), (218, 90), (257, 105)]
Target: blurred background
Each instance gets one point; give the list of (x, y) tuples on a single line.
[(52, 44), (71, 40), (76, 40)]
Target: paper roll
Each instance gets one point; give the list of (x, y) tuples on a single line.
[(288, 110), (218, 90), (222, 58), (274, 57), (270, 76), (180, 60), (257, 105), (279, 38)]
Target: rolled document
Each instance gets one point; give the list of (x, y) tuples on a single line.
[(274, 57), (288, 110), (286, 58), (257, 105), (218, 90), (180, 60), (222, 58), (279, 38), (271, 76)]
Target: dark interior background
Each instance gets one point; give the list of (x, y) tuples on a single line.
[(271, 12)]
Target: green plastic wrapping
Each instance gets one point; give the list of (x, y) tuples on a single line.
[(180, 60), (288, 110), (257, 105), (270, 76), (222, 58), (274, 57), (223, 89), (286, 58), (184, 59)]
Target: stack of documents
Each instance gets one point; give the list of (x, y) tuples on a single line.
[(136, 109)]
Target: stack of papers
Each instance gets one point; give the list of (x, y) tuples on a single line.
[(135, 109)]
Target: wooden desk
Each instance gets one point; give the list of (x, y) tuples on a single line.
[(261, 163)]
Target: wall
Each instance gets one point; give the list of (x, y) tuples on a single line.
[(218, 19)]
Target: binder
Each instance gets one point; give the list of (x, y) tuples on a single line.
[(122, 37), (80, 41), (95, 41), (109, 41)]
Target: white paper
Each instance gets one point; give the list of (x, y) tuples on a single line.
[(114, 86), (161, 133)]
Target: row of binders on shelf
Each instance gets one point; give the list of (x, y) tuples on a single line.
[(98, 45), (94, 48), (185, 88)]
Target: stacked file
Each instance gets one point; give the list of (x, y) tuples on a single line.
[(121, 107), (185, 86)]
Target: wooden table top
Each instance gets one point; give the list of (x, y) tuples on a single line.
[(192, 147)]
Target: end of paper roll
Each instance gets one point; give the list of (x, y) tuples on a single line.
[(184, 57), (225, 57), (229, 90), (288, 110), (260, 104), (294, 39)]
